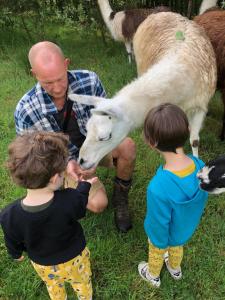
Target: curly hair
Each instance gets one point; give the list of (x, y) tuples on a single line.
[(34, 157)]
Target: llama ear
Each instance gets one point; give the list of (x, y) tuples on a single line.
[(111, 112), (86, 99)]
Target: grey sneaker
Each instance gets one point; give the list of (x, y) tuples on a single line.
[(176, 274), (144, 273)]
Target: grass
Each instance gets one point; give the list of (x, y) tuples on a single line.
[(114, 256)]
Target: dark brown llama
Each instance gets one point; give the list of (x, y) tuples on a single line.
[(213, 21)]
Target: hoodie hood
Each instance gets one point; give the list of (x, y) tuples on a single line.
[(187, 188)]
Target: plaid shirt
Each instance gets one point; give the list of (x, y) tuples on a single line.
[(35, 110)]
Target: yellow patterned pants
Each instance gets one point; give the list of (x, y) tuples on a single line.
[(76, 271), (156, 259)]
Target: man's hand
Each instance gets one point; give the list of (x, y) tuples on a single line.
[(75, 171), (86, 174)]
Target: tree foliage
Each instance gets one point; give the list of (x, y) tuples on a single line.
[(32, 15)]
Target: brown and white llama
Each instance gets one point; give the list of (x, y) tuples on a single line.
[(123, 24)]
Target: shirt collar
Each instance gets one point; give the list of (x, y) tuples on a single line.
[(71, 79)]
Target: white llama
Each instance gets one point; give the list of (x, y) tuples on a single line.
[(207, 4), (176, 64)]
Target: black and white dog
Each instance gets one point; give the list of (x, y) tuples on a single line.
[(212, 176)]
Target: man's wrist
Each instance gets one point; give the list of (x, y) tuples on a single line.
[(72, 158)]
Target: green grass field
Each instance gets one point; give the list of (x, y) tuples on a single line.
[(114, 256)]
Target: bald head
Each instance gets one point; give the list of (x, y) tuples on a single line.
[(49, 67), (44, 53)]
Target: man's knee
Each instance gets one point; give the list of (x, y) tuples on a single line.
[(129, 149), (98, 202)]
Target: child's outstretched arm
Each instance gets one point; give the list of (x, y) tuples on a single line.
[(91, 180), (96, 204), (82, 201)]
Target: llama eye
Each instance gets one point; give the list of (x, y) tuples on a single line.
[(104, 139), (110, 118)]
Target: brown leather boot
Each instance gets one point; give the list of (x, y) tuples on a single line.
[(120, 203)]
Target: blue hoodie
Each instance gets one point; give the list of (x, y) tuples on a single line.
[(174, 207)]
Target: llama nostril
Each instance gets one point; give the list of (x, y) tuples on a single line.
[(81, 161)]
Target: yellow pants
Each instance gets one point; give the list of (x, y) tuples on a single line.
[(76, 271), (156, 259)]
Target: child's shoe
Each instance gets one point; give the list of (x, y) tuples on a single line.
[(144, 273), (176, 274)]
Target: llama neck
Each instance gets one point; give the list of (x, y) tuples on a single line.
[(206, 4), (106, 10), (159, 84)]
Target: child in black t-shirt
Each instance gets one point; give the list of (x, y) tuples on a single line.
[(44, 223)]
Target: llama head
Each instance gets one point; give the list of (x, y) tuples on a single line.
[(212, 176), (106, 128)]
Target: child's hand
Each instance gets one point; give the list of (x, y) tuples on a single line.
[(20, 259), (90, 180)]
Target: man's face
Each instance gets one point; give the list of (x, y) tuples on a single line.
[(53, 78)]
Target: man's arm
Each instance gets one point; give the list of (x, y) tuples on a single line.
[(73, 152), (23, 121)]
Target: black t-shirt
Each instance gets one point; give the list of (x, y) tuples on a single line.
[(50, 236), (73, 130)]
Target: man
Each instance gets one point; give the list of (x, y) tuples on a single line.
[(46, 107)]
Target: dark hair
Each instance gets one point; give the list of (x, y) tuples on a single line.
[(35, 157), (166, 127)]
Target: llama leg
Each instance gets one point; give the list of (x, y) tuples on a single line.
[(195, 122), (128, 46), (222, 135)]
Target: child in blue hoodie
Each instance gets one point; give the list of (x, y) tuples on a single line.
[(175, 203)]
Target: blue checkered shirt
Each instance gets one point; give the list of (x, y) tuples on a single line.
[(35, 110)]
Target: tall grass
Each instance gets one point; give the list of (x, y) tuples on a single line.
[(114, 256)]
